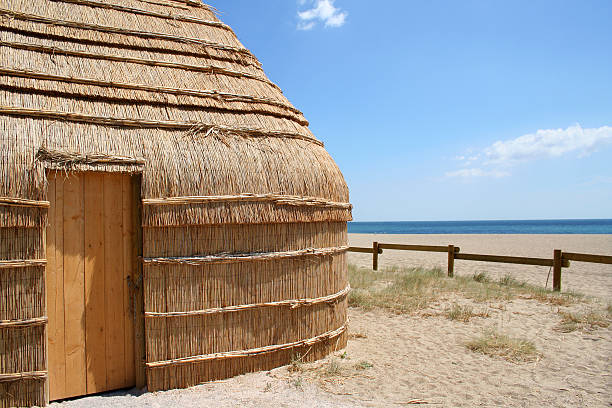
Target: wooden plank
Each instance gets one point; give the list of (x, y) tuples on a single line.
[(557, 264), (139, 339), (113, 254), (95, 326), (426, 248), (573, 256), (451, 261), (74, 290), (50, 284), (128, 273), (58, 334), (505, 259), (375, 255)]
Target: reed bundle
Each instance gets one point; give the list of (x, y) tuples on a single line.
[(330, 299), (68, 158), (22, 202), (101, 28), (22, 263), (250, 352), (279, 199), (139, 11), (229, 97), (208, 69), (21, 323), (34, 375), (253, 257), (243, 211)]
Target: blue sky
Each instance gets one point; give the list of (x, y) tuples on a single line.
[(449, 110)]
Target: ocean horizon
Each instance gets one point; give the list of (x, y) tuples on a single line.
[(571, 226)]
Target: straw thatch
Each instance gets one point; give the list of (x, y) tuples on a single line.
[(243, 211)]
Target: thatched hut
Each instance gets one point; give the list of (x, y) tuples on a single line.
[(166, 216)]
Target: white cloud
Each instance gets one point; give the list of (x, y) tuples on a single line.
[(548, 143), (322, 10), (477, 172), (494, 160), (306, 25)]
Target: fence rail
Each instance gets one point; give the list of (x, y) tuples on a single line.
[(603, 259), (559, 260), (520, 260), (428, 248)]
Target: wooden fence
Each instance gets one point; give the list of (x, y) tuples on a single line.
[(559, 260)]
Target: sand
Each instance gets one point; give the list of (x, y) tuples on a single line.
[(416, 358), (421, 359), (587, 278), (264, 389)]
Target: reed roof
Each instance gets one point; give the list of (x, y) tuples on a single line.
[(160, 87)]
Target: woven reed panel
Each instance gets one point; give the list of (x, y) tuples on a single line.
[(242, 238), (185, 288), (187, 375), (21, 243), (177, 288), (25, 393), (22, 291)]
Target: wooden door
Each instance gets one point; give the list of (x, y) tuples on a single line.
[(90, 254)]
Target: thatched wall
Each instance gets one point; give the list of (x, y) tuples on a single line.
[(244, 265)]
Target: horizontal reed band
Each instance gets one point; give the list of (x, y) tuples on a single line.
[(22, 202), (225, 96), (37, 321), (249, 352), (162, 3), (72, 158), (193, 3), (22, 263), (168, 4), (248, 257), (279, 199), (116, 30), (208, 69), (134, 10), (31, 375), (283, 303), (193, 128)]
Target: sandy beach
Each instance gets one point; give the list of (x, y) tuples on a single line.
[(590, 279)]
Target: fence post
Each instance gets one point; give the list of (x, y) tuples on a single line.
[(451, 261), (557, 264), (375, 256)]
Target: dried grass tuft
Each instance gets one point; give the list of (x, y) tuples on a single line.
[(463, 313), (408, 290), (512, 349), (586, 322)]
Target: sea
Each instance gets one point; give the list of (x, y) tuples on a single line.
[(590, 226)]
